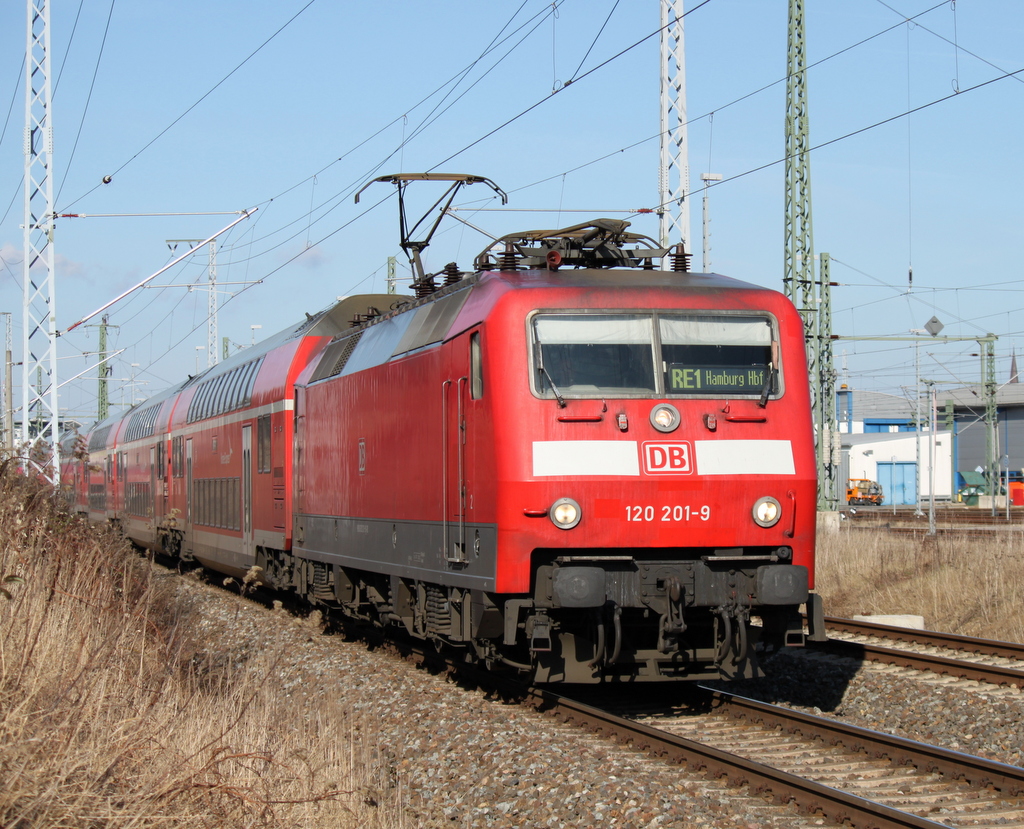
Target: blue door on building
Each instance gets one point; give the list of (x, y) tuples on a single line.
[(899, 482)]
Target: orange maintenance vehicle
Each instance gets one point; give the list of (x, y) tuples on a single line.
[(861, 491)]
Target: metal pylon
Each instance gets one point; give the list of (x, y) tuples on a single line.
[(674, 170), (825, 410), (990, 386), (800, 284), (212, 329), (39, 310), (212, 333), (798, 273)]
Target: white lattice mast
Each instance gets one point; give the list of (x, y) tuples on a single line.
[(212, 336), (674, 172), (39, 335), (211, 327)]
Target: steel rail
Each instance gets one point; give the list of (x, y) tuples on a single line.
[(974, 770), (810, 797), (988, 647), (943, 665)]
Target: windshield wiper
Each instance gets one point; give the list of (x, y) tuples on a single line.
[(554, 388), (771, 374), (766, 389)]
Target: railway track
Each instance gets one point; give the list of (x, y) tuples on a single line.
[(846, 773), (946, 516), (948, 521), (998, 663)]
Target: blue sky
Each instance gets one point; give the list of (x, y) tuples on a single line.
[(291, 106)]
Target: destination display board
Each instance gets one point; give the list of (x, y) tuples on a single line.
[(707, 379)]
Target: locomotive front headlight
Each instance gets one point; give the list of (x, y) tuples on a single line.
[(767, 512), (565, 513), (665, 417)]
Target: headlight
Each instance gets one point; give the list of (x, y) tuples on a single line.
[(665, 417), (565, 513), (767, 511)]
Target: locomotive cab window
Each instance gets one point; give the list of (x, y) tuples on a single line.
[(653, 354), (593, 354)]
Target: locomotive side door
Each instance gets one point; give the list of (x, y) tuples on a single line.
[(456, 489)]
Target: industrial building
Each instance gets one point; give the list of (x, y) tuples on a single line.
[(880, 441)]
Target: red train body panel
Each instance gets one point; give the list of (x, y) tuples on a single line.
[(592, 474)]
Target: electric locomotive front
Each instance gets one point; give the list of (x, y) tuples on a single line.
[(655, 472)]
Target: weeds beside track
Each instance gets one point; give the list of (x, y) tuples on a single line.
[(115, 711)]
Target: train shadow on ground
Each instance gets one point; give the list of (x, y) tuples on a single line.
[(791, 678)]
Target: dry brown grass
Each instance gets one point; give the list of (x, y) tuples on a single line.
[(110, 715), (972, 584)]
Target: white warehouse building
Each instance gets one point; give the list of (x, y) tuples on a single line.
[(891, 458)]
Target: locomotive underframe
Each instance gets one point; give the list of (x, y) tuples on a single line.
[(594, 616)]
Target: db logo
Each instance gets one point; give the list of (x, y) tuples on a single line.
[(667, 458)]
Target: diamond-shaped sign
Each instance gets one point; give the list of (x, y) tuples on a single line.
[(933, 326)]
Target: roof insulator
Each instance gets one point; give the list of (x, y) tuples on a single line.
[(680, 259), (509, 262), (425, 287), (452, 274)]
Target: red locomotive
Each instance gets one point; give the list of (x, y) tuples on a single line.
[(566, 462)]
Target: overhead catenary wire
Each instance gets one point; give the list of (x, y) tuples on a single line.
[(206, 95), (333, 199), (329, 209), (88, 97), (850, 134)]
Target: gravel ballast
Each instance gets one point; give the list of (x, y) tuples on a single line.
[(457, 758)]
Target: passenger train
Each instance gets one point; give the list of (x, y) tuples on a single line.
[(565, 462)]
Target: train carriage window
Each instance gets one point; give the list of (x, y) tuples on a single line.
[(245, 381), (225, 392), (220, 495), (231, 397), (263, 444), (589, 354), (195, 407), (236, 504), (476, 367), (204, 400), (236, 394), (214, 399), (206, 403), (178, 457), (716, 354), (250, 381), (222, 403)]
